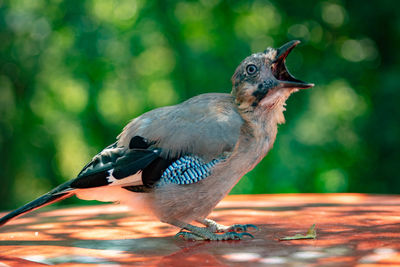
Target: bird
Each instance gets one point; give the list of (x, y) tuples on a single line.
[(178, 162)]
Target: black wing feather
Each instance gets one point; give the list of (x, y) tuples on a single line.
[(102, 161), (91, 180), (133, 162), (123, 163), (124, 166)]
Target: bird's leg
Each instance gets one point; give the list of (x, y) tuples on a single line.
[(219, 228), (195, 233)]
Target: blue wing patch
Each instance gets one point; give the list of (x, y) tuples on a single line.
[(187, 170)]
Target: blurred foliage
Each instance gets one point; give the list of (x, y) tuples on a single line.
[(73, 73)]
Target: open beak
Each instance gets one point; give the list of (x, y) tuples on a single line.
[(279, 70)]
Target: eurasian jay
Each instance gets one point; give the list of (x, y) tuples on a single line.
[(178, 162)]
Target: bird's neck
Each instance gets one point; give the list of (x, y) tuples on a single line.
[(264, 121)]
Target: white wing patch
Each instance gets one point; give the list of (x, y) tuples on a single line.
[(114, 191), (135, 179)]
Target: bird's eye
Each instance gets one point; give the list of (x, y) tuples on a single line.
[(251, 69)]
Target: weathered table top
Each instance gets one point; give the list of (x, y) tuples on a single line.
[(352, 229)]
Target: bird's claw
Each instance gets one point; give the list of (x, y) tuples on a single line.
[(244, 234)]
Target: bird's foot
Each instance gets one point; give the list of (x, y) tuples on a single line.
[(199, 233), (219, 228)]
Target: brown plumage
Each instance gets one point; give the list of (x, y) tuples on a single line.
[(178, 162)]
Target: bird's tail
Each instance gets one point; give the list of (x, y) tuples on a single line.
[(58, 193)]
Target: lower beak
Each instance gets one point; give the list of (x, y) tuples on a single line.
[(299, 84)]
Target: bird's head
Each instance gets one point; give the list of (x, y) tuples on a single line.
[(262, 80)]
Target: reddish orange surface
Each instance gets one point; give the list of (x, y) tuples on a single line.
[(352, 230)]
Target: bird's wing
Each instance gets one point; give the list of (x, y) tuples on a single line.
[(192, 138)]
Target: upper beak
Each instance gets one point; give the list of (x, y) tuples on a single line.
[(279, 70)]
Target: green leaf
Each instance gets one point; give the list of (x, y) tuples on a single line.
[(311, 234)]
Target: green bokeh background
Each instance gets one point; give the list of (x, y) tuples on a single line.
[(73, 73)]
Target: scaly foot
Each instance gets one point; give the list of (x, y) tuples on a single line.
[(195, 233)]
